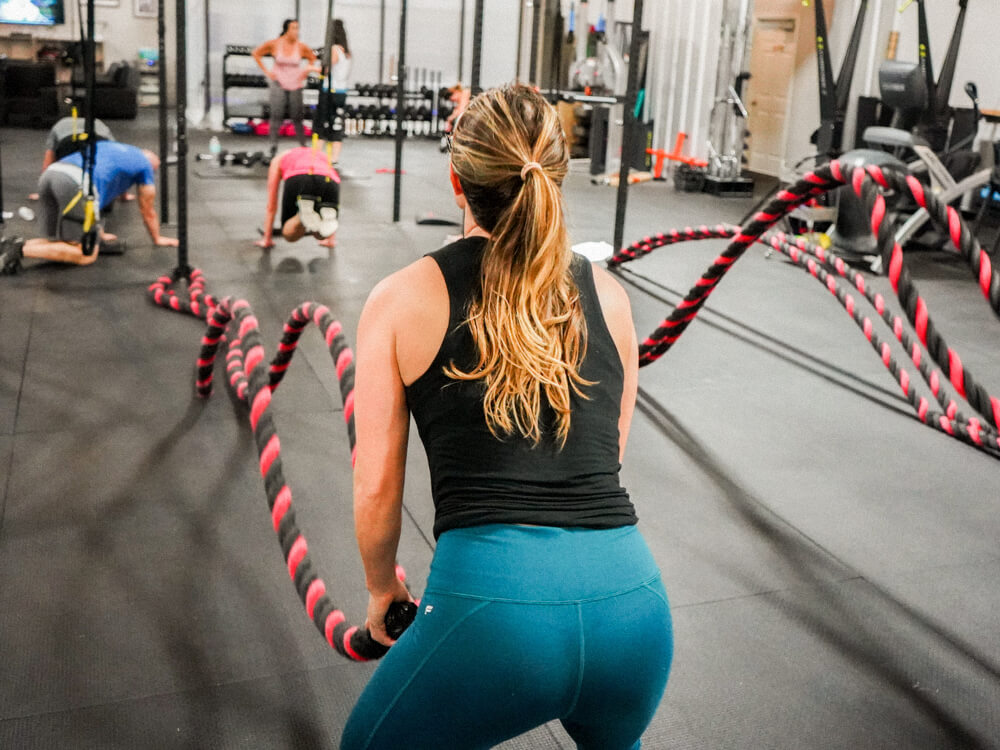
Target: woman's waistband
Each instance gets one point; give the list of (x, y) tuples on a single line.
[(541, 564)]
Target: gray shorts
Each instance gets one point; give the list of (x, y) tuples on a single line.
[(58, 187)]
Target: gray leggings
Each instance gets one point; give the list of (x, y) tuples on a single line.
[(281, 102), (58, 186)]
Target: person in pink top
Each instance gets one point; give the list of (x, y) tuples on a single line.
[(311, 198), (287, 78)]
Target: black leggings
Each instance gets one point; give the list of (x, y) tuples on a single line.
[(313, 185)]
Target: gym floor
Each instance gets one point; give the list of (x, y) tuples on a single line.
[(832, 563)]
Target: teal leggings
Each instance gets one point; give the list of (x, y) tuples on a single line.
[(521, 625)]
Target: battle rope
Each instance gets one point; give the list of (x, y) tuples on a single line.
[(950, 421), (253, 384), (866, 185)]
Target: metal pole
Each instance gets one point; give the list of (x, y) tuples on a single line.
[(477, 49), (400, 105), (208, 66), (381, 44), (461, 42), (520, 40), (161, 74), (183, 269), (628, 137), (536, 21), (1, 197), (298, 9)]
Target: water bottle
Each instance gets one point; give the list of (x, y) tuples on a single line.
[(214, 147)]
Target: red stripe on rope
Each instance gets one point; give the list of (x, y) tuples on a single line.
[(946, 425), (897, 327), (260, 403), (904, 381), (921, 320), (886, 354), (955, 227), (314, 593), (248, 324), (347, 644), (878, 214), (867, 328), (836, 171), (267, 456), (332, 332), (957, 372), (952, 410), (295, 554), (343, 361), (254, 356), (985, 271), (876, 173), (917, 355), (917, 189), (281, 505), (935, 383), (922, 409), (857, 179), (349, 407), (850, 305), (895, 266), (332, 621), (995, 403)]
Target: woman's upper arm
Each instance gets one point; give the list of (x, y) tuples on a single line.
[(381, 416), (617, 311), (263, 50)]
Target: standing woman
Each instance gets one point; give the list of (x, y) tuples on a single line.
[(340, 71), (287, 78), (518, 362)]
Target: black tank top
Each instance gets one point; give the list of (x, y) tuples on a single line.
[(479, 479)]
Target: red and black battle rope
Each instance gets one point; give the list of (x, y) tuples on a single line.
[(866, 184), (798, 249), (253, 384), (950, 421)]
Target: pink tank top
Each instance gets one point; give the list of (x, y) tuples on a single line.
[(307, 160), (287, 69)]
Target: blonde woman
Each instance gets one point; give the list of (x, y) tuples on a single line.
[(518, 363)]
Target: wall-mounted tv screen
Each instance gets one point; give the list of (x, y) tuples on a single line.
[(32, 12)]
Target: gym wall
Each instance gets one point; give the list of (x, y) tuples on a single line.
[(977, 57), (117, 27)]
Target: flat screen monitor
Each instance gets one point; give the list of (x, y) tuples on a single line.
[(32, 12)]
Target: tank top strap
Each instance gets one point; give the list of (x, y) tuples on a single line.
[(460, 263)]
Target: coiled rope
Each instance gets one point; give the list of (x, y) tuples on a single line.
[(254, 383)]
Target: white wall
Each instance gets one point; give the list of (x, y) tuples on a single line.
[(121, 33), (977, 57)]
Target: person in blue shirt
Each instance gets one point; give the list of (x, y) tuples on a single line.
[(63, 190)]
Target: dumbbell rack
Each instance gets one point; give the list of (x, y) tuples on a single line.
[(243, 80), (373, 111)]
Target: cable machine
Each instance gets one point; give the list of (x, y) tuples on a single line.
[(727, 127), (834, 94)]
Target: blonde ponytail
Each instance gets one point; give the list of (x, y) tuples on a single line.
[(510, 155)]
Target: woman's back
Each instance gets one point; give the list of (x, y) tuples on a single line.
[(478, 477)]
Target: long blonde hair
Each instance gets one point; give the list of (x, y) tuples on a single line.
[(510, 156)]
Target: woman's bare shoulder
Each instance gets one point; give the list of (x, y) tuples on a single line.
[(614, 299), (409, 287)]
